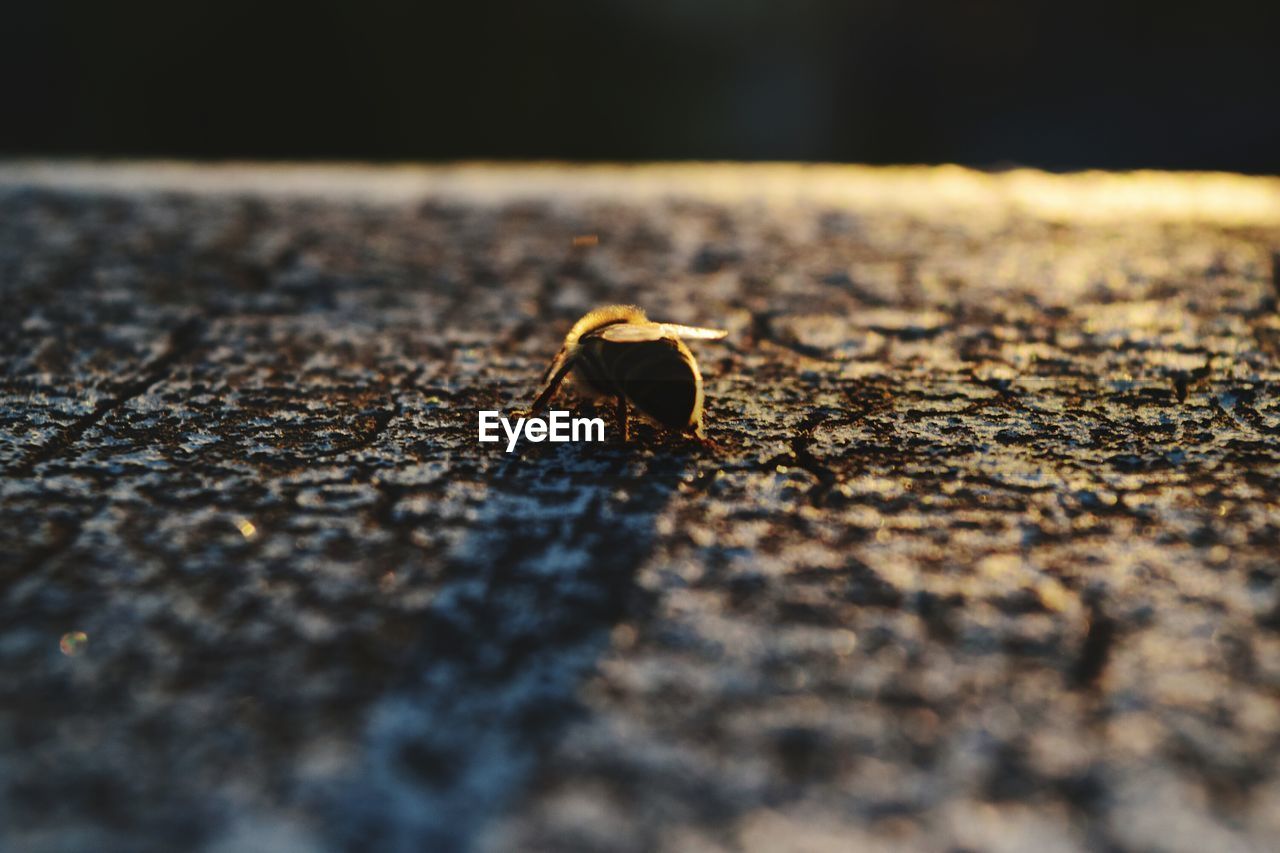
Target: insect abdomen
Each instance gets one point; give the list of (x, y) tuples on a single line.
[(657, 377)]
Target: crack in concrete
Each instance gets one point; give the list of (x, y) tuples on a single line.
[(182, 341)]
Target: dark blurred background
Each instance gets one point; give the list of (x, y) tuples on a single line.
[(989, 83)]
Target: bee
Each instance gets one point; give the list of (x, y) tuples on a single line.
[(618, 352)]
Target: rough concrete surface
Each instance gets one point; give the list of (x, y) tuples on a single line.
[(986, 556)]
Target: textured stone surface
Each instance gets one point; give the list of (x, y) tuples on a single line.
[(987, 556)]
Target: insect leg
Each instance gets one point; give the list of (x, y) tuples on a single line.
[(553, 385), (622, 418)]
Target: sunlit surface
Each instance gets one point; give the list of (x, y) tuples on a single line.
[(984, 557), (1082, 197)]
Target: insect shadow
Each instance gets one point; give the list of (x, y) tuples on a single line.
[(530, 597)]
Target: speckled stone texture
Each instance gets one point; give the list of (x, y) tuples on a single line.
[(986, 556)]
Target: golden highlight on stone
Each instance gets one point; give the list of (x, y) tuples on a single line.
[(73, 643), (1081, 197)]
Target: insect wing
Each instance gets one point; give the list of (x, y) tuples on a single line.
[(632, 333), (691, 333)]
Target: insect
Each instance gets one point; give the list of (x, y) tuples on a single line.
[(618, 352)]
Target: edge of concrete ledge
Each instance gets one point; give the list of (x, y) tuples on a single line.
[(1218, 197)]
